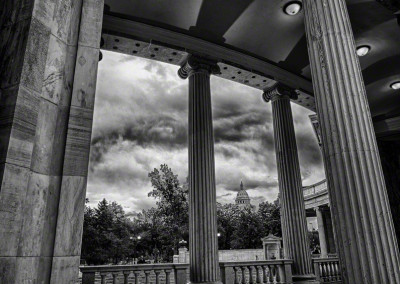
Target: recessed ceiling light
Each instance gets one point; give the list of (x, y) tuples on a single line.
[(292, 8), (363, 50), (395, 85)]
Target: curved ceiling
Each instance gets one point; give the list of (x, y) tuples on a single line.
[(262, 30)]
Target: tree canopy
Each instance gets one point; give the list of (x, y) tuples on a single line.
[(110, 237)]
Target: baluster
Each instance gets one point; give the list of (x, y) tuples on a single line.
[(258, 279), (331, 272), (103, 276), (265, 276), (334, 271), (167, 276), (278, 275), (273, 274), (251, 279), (325, 272), (236, 269), (115, 277), (338, 275), (243, 268), (147, 276), (321, 271), (137, 275), (126, 275), (157, 272)]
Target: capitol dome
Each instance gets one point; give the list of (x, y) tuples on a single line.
[(242, 197)]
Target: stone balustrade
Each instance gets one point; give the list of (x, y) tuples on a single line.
[(267, 271), (263, 272), (315, 188), (327, 270), (139, 273)]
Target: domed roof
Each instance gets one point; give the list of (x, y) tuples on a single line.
[(242, 194)]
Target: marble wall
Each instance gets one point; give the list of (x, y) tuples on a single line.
[(48, 66)]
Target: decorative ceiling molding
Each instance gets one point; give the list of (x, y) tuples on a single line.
[(174, 56), (126, 28)]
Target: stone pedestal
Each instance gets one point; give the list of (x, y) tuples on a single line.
[(366, 240), (321, 233), (293, 216), (203, 243)]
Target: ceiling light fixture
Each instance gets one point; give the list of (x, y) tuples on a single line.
[(292, 8), (363, 50), (395, 85)]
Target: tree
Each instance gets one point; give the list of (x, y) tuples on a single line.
[(106, 234), (248, 231), (109, 236), (270, 214)]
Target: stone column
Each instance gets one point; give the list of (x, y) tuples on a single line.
[(203, 242), (366, 240), (39, 50), (321, 232), (37, 62), (293, 216)]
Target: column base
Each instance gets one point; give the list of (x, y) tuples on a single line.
[(305, 279)]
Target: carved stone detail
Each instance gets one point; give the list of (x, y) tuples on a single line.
[(279, 90), (194, 64)]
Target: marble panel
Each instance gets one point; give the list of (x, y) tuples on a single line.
[(65, 269), (77, 149), (54, 74), (21, 121), (59, 142), (85, 77), (91, 23), (70, 216), (12, 196), (32, 270), (44, 140), (50, 139), (41, 195), (43, 11), (35, 56)]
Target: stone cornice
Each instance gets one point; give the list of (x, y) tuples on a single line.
[(197, 64), (279, 90)]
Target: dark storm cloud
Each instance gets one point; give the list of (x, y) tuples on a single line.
[(239, 128), (141, 117)]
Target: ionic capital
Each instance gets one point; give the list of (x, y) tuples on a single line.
[(194, 64), (279, 91)]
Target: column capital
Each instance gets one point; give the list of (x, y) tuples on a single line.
[(194, 64), (279, 91)]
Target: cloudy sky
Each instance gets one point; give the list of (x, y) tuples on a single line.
[(140, 122)]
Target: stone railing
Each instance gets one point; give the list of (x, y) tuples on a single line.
[(138, 274), (271, 271), (315, 188), (266, 271), (327, 270)]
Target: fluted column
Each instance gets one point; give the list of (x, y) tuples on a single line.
[(365, 235), (321, 233), (203, 243), (293, 216)]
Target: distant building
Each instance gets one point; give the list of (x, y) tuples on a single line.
[(242, 197)]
